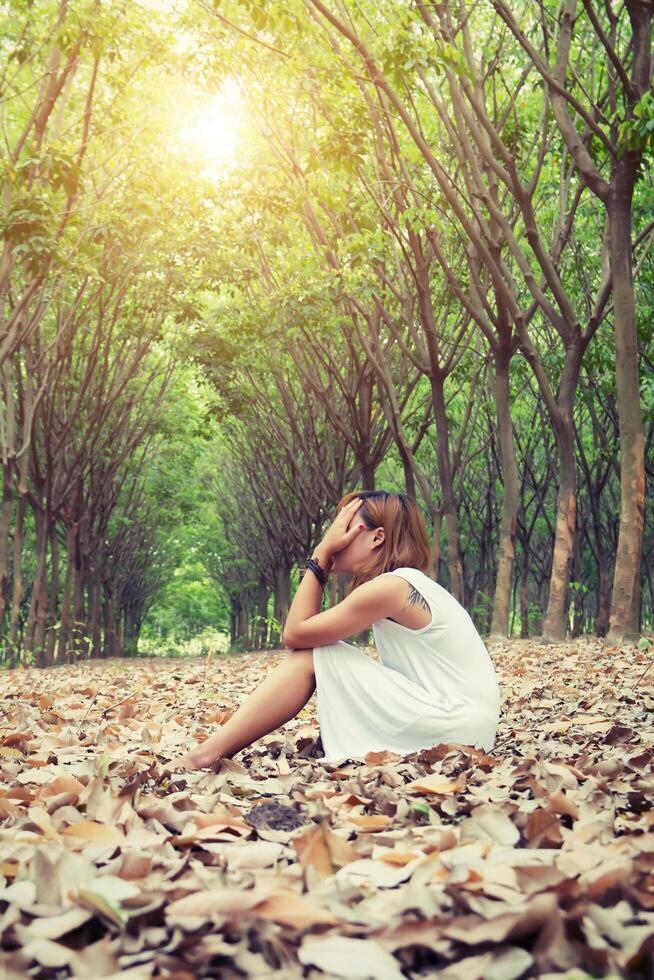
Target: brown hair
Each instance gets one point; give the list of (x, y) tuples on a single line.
[(405, 539)]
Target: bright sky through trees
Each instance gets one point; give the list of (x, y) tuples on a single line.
[(210, 128)]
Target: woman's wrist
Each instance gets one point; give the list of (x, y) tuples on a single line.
[(324, 557)]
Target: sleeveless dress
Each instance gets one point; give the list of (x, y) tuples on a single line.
[(434, 684)]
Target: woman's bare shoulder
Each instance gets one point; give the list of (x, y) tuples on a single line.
[(385, 586), (386, 582)]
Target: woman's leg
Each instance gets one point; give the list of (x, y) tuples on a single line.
[(278, 698)]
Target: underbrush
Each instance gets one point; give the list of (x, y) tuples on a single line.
[(209, 642)]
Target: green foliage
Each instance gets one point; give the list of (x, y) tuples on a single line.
[(313, 234), (636, 132)]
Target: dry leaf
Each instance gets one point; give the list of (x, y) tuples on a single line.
[(293, 910), (95, 833), (342, 956), (434, 784), (313, 851)]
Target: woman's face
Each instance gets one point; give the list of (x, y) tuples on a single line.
[(358, 552)]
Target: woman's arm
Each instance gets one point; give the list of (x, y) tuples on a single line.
[(305, 628), (307, 601), (308, 598)]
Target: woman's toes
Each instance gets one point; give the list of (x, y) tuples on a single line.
[(195, 759)]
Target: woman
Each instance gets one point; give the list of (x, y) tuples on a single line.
[(436, 682)]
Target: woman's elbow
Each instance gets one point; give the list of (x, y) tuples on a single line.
[(295, 641), (288, 639)]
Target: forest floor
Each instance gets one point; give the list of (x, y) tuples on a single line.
[(536, 859)]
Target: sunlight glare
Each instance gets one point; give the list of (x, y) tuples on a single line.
[(211, 131)]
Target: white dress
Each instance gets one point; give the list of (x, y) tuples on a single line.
[(434, 684)]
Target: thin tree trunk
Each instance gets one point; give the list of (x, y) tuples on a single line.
[(94, 615), (625, 604), (409, 475), (53, 594), (78, 643), (233, 621), (450, 516), (554, 624), (130, 635), (17, 590), (435, 547), (282, 594), (603, 586), (524, 594), (261, 633), (43, 602), (243, 625), (35, 628), (112, 644), (5, 521), (30, 624), (64, 647), (577, 597), (510, 497)]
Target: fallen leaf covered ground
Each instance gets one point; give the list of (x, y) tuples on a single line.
[(536, 859)]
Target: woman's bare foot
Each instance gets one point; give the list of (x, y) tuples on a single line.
[(195, 759)]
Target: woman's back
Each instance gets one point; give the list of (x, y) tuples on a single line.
[(447, 656)]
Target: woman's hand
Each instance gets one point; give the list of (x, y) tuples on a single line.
[(339, 534)]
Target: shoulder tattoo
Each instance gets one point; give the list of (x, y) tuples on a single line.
[(416, 599)]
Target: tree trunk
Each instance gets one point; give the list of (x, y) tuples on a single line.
[(625, 604), (17, 590), (367, 467), (554, 624), (35, 627), (282, 594), (94, 616), (524, 594), (510, 497), (261, 630), (239, 623), (42, 605), (434, 568), (64, 651), (5, 521), (603, 597), (44, 595), (112, 644), (409, 475), (244, 625), (131, 631), (78, 638), (603, 588), (53, 594), (233, 621), (578, 594), (450, 516)]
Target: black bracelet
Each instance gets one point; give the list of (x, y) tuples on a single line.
[(318, 571)]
